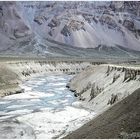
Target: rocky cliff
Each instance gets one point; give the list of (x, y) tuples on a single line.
[(87, 24), (15, 33), (58, 28), (99, 87), (112, 92), (13, 73)]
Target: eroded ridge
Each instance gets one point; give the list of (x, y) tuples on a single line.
[(99, 87)]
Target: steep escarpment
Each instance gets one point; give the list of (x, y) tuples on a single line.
[(29, 68), (113, 93), (107, 29), (14, 72), (85, 24), (9, 81), (15, 34), (99, 87)]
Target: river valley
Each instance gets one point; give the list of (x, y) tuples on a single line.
[(69, 70), (46, 109)]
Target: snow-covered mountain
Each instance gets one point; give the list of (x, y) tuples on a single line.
[(27, 26)]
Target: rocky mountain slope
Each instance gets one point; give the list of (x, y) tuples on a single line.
[(50, 28)]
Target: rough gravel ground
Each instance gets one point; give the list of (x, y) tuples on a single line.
[(16, 130), (120, 121)]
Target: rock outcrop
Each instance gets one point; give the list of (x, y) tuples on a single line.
[(104, 85), (15, 33), (12, 73), (130, 73), (114, 95), (27, 28), (9, 81)]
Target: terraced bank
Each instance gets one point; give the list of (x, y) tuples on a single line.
[(13, 72), (112, 92), (101, 86)]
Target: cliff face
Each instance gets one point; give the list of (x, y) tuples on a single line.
[(100, 87), (9, 81), (25, 69), (86, 24), (13, 73), (109, 27), (15, 34)]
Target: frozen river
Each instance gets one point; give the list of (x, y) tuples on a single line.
[(45, 110)]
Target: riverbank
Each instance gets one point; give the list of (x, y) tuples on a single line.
[(14, 72), (97, 88), (109, 91), (120, 121), (9, 81)]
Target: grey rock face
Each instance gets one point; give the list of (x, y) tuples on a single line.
[(95, 90), (113, 99), (65, 31), (80, 24), (13, 28)]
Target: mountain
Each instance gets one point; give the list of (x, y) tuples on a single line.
[(50, 28)]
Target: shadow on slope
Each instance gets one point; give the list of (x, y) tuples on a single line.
[(120, 121), (102, 51)]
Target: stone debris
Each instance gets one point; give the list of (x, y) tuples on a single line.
[(113, 99)]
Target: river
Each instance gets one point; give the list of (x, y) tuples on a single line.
[(45, 110)]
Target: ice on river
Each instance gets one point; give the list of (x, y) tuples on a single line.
[(47, 107)]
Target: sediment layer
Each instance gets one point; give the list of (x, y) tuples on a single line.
[(12, 73), (112, 92), (99, 87)]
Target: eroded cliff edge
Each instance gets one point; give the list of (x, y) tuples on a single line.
[(112, 92), (13, 73), (101, 86)]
